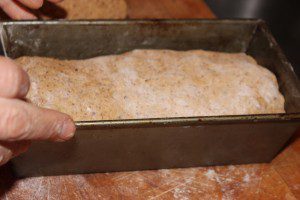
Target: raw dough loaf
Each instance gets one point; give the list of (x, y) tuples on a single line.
[(153, 84)]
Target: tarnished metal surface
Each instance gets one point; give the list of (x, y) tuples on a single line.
[(102, 146), (85, 39)]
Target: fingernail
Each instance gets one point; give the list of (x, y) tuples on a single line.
[(24, 89), (25, 84), (67, 130)]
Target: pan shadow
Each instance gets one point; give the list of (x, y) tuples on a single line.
[(7, 179)]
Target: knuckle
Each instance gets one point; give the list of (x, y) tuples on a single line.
[(15, 121), (13, 78)]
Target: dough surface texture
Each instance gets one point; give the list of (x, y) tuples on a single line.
[(153, 84)]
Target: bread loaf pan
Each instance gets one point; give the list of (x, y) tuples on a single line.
[(140, 144)]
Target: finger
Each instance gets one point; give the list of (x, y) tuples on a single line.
[(15, 11), (23, 121), (14, 81), (33, 4), (10, 150), (55, 1)]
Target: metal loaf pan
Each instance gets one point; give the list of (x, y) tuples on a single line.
[(140, 144)]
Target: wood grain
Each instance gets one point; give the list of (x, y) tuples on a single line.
[(277, 180)]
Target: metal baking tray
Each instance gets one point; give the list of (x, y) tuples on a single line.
[(140, 144)]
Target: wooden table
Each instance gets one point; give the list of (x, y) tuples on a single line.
[(277, 180)]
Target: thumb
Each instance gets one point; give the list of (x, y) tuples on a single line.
[(23, 121)]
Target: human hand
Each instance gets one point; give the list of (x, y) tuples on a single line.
[(22, 122), (20, 9)]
